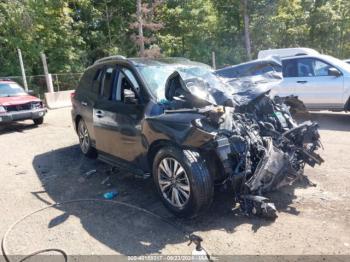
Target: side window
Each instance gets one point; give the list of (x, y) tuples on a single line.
[(306, 67), (96, 81), (243, 70), (289, 68), (227, 73), (132, 79), (321, 68), (85, 80), (311, 67), (107, 82), (260, 68), (127, 86)]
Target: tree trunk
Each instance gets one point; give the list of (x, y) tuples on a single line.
[(108, 24), (140, 25), (246, 29)]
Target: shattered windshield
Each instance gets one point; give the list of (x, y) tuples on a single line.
[(198, 79), (156, 77)]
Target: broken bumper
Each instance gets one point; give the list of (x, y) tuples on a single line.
[(22, 115), (257, 164)]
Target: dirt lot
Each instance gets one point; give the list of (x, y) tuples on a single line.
[(42, 165)]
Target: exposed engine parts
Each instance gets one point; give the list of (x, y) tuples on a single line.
[(259, 145)]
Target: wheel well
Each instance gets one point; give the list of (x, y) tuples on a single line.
[(155, 147), (214, 164), (77, 119)]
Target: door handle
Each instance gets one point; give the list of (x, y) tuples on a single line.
[(302, 82), (100, 114), (83, 103)]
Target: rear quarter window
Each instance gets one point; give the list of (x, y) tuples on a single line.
[(90, 80)]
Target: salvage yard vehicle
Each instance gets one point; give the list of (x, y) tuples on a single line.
[(16, 104), (286, 52), (321, 82), (177, 120)]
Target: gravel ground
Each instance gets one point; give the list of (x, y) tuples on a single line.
[(43, 165)]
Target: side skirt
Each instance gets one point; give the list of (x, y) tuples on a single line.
[(122, 165)]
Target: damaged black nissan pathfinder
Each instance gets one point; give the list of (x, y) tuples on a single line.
[(175, 119)]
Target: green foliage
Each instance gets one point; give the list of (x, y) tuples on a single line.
[(189, 29), (74, 33)]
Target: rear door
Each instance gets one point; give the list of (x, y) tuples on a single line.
[(315, 87), (86, 96), (118, 115)]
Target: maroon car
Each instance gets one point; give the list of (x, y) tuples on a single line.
[(16, 104)]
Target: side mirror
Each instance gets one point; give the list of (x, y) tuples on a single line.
[(129, 97), (30, 92), (334, 72)]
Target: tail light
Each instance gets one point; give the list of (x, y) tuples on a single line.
[(72, 95)]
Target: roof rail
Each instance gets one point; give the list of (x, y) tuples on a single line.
[(109, 58)]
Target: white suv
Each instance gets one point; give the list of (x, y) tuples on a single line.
[(284, 52), (322, 82)]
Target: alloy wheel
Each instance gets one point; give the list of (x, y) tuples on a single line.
[(84, 139), (173, 182)]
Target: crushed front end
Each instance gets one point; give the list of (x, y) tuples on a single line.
[(258, 146), (261, 148)]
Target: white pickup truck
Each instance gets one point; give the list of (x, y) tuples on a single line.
[(322, 82)]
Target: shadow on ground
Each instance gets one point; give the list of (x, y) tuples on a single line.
[(123, 229), (14, 127), (329, 120)]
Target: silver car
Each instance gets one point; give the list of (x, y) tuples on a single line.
[(322, 82)]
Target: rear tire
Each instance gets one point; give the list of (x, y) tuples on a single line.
[(38, 121), (186, 188), (85, 141)]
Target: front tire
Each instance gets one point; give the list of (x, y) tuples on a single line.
[(85, 141), (183, 181), (38, 121)]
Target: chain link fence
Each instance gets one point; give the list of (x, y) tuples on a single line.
[(37, 83)]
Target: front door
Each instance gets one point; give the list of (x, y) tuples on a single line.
[(313, 84), (118, 115)]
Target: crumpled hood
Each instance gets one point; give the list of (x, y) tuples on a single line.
[(207, 88), (17, 100), (250, 87), (215, 90)]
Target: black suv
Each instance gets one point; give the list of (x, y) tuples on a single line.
[(174, 119)]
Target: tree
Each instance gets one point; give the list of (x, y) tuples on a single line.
[(74, 33), (190, 29), (248, 48), (146, 19), (140, 28), (25, 26)]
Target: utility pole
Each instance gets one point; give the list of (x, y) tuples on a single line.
[(24, 78), (48, 76), (140, 27), (213, 59)]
